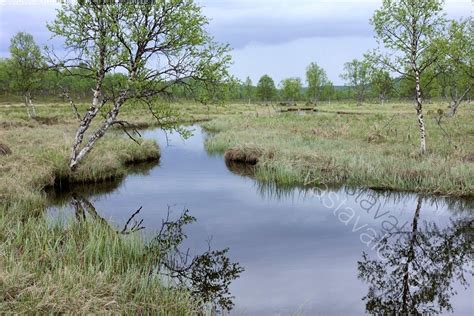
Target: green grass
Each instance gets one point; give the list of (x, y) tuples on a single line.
[(378, 149), (79, 267), (13, 114), (84, 268), (39, 159)]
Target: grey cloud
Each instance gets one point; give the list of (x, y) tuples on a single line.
[(274, 32), (30, 19), (240, 23)]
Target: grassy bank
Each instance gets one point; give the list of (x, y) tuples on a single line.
[(39, 159), (86, 268), (376, 149), (81, 267)]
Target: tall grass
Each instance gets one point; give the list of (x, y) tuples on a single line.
[(376, 150), (82, 267), (39, 159)]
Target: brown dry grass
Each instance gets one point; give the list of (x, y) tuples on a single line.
[(378, 150), (243, 154)]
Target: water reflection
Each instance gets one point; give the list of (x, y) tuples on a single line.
[(62, 192), (240, 168), (416, 268), (300, 255), (207, 275)]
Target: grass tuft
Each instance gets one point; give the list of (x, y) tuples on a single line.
[(243, 154)]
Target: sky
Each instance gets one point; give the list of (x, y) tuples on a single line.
[(275, 37)]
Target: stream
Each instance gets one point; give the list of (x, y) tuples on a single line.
[(305, 251)]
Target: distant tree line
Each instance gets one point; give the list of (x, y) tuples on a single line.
[(25, 75), (363, 84)]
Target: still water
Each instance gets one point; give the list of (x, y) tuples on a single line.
[(302, 249)]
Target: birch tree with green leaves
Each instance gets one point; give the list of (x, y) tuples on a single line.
[(291, 89), (248, 89), (456, 65), (266, 89), (24, 68), (157, 45), (358, 75), (382, 84), (406, 29), (317, 80)]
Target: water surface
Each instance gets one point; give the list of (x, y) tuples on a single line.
[(300, 248)]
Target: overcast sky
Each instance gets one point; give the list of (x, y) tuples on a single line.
[(275, 37)]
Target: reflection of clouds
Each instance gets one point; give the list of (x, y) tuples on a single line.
[(281, 237)]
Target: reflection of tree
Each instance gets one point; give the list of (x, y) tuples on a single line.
[(418, 268), (83, 206), (208, 275)]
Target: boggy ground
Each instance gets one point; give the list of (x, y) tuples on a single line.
[(83, 267), (370, 146), (87, 268)]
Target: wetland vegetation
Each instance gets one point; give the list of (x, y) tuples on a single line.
[(101, 148)]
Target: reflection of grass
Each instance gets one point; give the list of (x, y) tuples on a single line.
[(374, 150)]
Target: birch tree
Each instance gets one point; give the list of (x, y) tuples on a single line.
[(317, 80), (24, 68), (156, 46), (382, 84), (248, 89), (357, 74), (456, 67), (291, 89), (407, 29), (266, 88)]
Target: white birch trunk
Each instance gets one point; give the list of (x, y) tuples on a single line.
[(419, 113), (78, 155), (27, 107), (30, 108)]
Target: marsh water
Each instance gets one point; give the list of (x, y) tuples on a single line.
[(302, 249)]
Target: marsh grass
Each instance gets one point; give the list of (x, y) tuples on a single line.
[(13, 114), (376, 150), (82, 267), (86, 268), (39, 159)]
